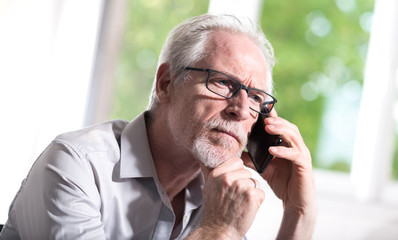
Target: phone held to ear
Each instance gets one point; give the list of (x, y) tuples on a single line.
[(258, 144)]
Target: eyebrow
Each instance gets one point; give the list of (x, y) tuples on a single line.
[(239, 79)]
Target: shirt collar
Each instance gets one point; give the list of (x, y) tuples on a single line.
[(193, 193), (136, 157), (136, 160)]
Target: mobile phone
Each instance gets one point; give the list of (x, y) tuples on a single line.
[(258, 144)]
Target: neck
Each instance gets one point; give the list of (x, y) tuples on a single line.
[(175, 166)]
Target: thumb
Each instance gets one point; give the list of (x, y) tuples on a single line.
[(247, 160), (205, 170)]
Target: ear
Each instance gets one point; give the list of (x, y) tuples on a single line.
[(163, 83)]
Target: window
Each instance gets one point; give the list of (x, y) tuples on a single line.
[(321, 50), (148, 23), (46, 54), (321, 47)]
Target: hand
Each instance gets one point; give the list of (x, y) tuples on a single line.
[(231, 199), (290, 172), (290, 177)]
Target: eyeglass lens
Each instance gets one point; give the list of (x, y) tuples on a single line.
[(228, 87)]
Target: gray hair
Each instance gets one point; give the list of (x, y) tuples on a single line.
[(186, 45)]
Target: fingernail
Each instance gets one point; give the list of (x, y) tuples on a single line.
[(271, 126), (270, 119), (273, 149)]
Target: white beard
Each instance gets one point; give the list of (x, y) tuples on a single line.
[(213, 154)]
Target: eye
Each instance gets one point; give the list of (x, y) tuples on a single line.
[(223, 83), (256, 98)]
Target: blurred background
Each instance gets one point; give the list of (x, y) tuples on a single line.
[(69, 64)]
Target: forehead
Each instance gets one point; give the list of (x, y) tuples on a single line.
[(237, 55)]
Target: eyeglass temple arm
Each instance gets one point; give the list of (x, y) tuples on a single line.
[(197, 69)]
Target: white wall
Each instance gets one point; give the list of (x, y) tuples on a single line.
[(374, 146), (46, 54)]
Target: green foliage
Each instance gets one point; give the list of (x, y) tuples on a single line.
[(313, 41), (395, 160), (148, 24), (336, 39), (340, 166)]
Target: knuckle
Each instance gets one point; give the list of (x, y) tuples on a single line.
[(307, 153), (213, 174), (246, 172), (251, 194), (227, 180), (296, 154), (295, 128), (240, 186)]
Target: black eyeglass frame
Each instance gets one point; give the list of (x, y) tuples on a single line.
[(242, 86)]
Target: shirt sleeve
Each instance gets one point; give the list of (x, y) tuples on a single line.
[(59, 199)]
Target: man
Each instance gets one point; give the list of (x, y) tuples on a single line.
[(176, 171)]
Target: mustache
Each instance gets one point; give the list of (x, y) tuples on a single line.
[(235, 129)]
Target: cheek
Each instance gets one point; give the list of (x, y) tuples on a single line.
[(203, 104), (194, 117), (205, 110), (204, 91)]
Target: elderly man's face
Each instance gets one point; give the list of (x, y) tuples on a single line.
[(211, 127)]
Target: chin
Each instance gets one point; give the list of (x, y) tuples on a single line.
[(214, 144), (213, 155)]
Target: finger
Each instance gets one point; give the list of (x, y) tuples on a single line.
[(229, 165), (255, 182), (260, 193), (288, 131), (252, 185), (273, 113), (258, 197), (244, 184), (279, 121), (292, 154), (205, 170), (247, 160), (230, 178), (232, 164), (282, 152), (275, 119)]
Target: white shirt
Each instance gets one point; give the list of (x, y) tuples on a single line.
[(99, 183)]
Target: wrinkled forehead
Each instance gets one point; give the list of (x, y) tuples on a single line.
[(238, 56)]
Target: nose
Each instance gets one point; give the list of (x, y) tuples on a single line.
[(238, 106)]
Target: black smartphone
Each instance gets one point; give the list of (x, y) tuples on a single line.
[(258, 143)]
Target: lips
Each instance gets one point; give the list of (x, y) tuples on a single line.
[(230, 128), (228, 133)]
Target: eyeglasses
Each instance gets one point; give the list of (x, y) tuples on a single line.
[(228, 87)]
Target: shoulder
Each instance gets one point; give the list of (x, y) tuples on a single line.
[(101, 137), (77, 154)]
